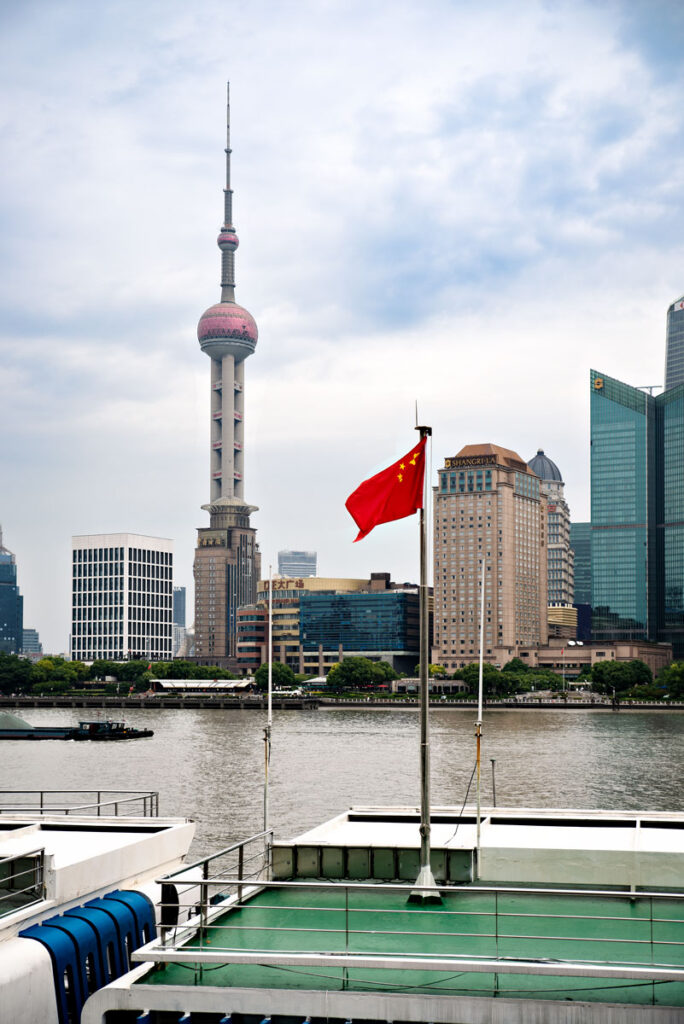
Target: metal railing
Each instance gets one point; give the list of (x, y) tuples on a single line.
[(643, 947), (22, 881), (95, 802)]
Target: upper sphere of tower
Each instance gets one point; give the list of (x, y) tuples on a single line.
[(544, 467), (227, 240), (227, 329)]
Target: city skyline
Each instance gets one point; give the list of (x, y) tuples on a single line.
[(537, 161)]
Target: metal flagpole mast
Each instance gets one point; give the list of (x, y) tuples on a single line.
[(425, 877), (478, 724), (269, 714)]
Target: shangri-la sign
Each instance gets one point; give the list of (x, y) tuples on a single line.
[(470, 460)]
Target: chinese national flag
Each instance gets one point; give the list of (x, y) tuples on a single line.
[(394, 493)]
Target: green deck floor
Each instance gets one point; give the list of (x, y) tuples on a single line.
[(471, 924)]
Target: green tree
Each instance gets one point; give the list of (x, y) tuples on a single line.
[(382, 673), (282, 675), (492, 681), (433, 670), (15, 673), (351, 674), (515, 665), (671, 679), (620, 676)]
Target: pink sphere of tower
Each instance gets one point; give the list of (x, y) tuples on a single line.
[(227, 329), (227, 240)]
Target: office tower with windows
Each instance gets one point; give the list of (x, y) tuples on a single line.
[(31, 643), (227, 560), (674, 345), (122, 597), (561, 572), (637, 513), (179, 606), (11, 604), (488, 508), (580, 542), (295, 564)]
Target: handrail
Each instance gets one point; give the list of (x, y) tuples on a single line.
[(117, 797)]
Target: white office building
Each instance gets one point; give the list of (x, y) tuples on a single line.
[(122, 597)]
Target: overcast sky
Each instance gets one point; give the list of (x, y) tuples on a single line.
[(465, 204)]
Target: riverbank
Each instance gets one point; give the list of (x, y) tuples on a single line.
[(259, 703)]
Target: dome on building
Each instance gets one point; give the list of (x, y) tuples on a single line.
[(227, 240), (227, 328), (545, 468)]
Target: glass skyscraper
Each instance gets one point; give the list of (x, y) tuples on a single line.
[(637, 512), (580, 542), (674, 352), (11, 604)]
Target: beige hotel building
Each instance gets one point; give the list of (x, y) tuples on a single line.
[(488, 507)]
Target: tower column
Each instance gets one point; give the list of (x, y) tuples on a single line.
[(228, 482), (215, 431), (239, 432)]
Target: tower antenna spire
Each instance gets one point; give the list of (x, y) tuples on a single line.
[(228, 235)]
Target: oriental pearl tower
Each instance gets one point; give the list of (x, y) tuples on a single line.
[(227, 560)]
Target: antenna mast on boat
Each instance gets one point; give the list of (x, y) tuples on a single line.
[(478, 724), (425, 878)]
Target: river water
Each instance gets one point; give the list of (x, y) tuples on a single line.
[(208, 765)]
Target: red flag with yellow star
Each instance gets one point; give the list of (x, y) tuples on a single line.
[(394, 493)]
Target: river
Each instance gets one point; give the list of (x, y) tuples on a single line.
[(208, 765)]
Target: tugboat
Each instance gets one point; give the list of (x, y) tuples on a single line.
[(108, 730), (14, 728)]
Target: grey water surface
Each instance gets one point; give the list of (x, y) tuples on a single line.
[(209, 765)]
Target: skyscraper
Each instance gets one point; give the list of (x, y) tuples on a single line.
[(488, 508), (580, 542), (179, 606), (296, 563), (637, 513), (11, 604), (227, 560), (674, 349), (122, 597), (561, 571)]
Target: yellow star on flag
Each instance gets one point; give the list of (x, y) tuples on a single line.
[(400, 477)]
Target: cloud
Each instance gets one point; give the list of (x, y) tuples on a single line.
[(464, 205)]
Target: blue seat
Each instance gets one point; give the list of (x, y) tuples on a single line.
[(65, 968), (124, 921), (143, 912), (108, 939)]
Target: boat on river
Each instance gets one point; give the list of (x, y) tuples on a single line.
[(14, 728)]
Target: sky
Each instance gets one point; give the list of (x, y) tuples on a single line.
[(462, 205)]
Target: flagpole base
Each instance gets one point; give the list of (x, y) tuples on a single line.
[(422, 895)]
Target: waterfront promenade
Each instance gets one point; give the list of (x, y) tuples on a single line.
[(259, 702)]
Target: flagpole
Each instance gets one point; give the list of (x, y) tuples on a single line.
[(478, 724), (269, 713), (425, 877)]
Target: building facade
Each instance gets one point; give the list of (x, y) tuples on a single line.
[(179, 594), (227, 560), (122, 597), (560, 556), (674, 345), (637, 513), (11, 604), (488, 509), (296, 563), (31, 644), (318, 621), (580, 542)]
